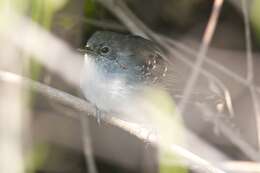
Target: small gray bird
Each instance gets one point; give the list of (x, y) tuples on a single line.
[(118, 67)]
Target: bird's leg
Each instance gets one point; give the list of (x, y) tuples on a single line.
[(98, 115)]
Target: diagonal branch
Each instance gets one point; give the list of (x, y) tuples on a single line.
[(250, 69), (89, 110), (202, 52), (234, 137)]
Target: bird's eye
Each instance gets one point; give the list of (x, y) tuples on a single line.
[(104, 50)]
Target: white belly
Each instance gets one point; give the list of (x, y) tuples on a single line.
[(107, 94)]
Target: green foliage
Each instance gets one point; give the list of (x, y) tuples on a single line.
[(255, 19), (170, 128), (90, 11), (36, 158), (170, 163), (89, 8), (43, 10), (171, 168), (7, 7), (16, 5)]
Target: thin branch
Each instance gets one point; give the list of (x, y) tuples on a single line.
[(249, 56), (88, 151), (13, 116), (52, 93), (226, 94), (235, 138), (241, 166), (250, 69), (46, 48), (104, 24), (210, 61), (124, 14), (202, 52), (231, 135)]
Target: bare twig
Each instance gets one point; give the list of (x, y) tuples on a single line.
[(241, 166), (226, 94), (211, 62), (52, 93), (103, 24), (250, 69), (13, 117), (47, 49), (118, 7), (28, 43), (88, 151), (202, 52), (249, 56), (235, 138)]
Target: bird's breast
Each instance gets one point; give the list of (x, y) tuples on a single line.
[(108, 94)]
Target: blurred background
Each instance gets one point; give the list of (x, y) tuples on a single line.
[(41, 105)]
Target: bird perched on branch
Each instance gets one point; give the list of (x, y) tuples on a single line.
[(118, 67)]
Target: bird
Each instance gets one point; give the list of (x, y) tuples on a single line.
[(119, 67)]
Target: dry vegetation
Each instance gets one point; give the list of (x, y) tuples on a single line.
[(48, 127)]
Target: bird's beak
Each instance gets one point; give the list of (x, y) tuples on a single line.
[(86, 50), (83, 51)]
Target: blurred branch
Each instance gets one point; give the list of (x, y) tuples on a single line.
[(201, 56), (209, 61), (235, 138), (53, 53), (250, 69), (47, 49), (238, 4), (88, 109), (241, 166), (14, 115), (249, 56), (104, 24), (88, 151), (119, 8), (50, 92)]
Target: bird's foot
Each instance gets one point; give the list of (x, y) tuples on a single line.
[(98, 115)]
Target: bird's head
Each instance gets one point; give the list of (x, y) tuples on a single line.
[(129, 58)]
